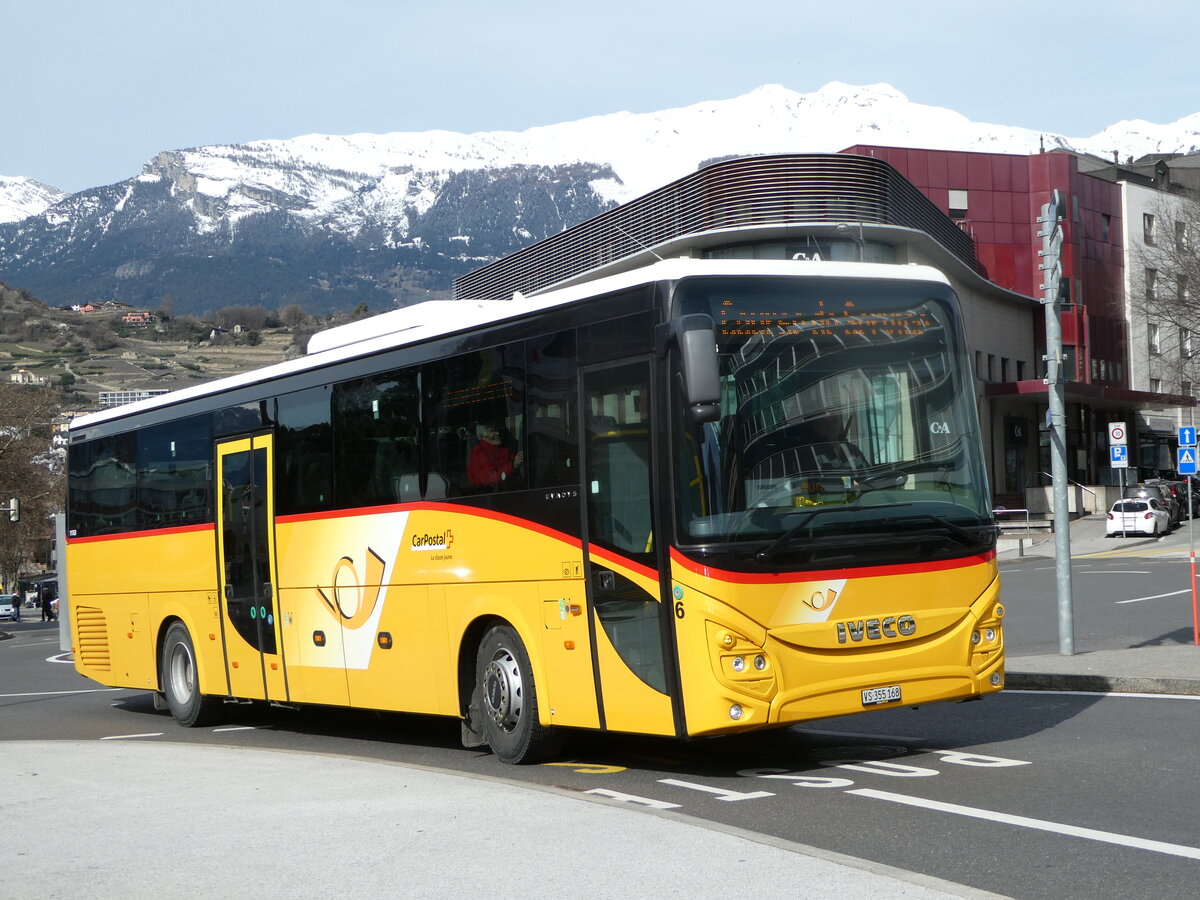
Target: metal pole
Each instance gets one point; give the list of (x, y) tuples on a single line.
[(1192, 555), (1058, 471)]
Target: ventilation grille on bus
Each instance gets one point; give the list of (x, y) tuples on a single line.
[(91, 638)]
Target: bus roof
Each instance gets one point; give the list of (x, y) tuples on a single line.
[(437, 318)]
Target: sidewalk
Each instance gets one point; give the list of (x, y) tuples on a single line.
[(210, 821)]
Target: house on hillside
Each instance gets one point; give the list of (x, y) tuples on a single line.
[(24, 376)]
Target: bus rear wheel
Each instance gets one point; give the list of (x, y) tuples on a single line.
[(180, 681), (508, 700)]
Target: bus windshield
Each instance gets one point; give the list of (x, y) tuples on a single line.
[(848, 432)]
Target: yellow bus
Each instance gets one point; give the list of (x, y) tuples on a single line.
[(702, 497)]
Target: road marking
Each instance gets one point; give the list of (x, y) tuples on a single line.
[(1130, 694), (1091, 834), (129, 737), (63, 693), (633, 798), (233, 728), (721, 793), (1156, 596)]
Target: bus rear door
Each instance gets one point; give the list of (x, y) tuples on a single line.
[(246, 548)]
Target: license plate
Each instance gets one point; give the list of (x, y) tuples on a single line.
[(876, 696)]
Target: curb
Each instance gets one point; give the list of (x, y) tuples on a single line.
[(1106, 684)]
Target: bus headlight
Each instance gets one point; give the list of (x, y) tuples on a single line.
[(760, 662), (738, 663)]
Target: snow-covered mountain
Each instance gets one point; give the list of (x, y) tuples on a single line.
[(324, 220), (23, 197)]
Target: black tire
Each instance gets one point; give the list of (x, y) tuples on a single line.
[(508, 704), (180, 681)]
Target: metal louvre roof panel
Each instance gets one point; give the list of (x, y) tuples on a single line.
[(732, 194)]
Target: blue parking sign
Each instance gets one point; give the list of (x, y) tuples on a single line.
[(1118, 456), (1186, 460)]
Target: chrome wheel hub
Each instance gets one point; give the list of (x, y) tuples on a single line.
[(502, 689)]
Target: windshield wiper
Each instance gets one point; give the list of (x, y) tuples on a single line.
[(772, 550), (957, 532)]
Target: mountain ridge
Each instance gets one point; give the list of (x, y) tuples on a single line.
[(388, 219)]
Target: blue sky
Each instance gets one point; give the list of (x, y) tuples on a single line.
[(92, 90)]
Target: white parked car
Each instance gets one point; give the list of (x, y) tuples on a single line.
[(1145, 516), (8, 607)]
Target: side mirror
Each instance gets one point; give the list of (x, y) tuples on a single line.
[(697, 341)]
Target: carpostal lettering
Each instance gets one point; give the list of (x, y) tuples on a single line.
[(440, 541), (876, 629)]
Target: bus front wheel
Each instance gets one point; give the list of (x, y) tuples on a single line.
[(508, 700), (180, 682)]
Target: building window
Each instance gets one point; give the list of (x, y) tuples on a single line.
[(1151, 281), (1020, 370), (1181, 235), (1004, 368), (1105, 226), (1181, 289), (1148, 227), (1186, 348), (1155, 385), (1155, 339), (978, 364), (1185, 388), (958, 204), (991, 369)]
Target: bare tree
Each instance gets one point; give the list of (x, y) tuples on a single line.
[(29, 472), (1165, 288)]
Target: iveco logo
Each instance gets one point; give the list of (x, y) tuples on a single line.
[(876, 629)]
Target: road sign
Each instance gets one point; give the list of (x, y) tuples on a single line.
[(1186, 460), (1118, 456), (1117, 435), (1187, 436)]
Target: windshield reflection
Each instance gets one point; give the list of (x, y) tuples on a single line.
[(839, 396)]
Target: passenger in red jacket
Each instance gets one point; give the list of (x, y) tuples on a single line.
[(489, 463)]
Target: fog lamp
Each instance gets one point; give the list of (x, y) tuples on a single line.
[(735, 711), (760, 662), (975, 637), (739, 664), (996, 679), (990, 635)]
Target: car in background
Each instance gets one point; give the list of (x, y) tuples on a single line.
[(8, 607), (1155, 490), (1145, 515), (1180, 490)]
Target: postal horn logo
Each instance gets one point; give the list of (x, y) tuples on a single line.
[(353, 596), (440, 540)]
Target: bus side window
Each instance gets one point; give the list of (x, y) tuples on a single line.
[(470, 398), (375, 423), (552, 451), (304, 452)]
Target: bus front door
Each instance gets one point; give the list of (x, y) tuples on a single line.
[(621, 554), (246, 546)]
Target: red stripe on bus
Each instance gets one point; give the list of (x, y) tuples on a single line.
[(124, 535), (941, 565), (429, 506)]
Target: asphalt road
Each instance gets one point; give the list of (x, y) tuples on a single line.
[(1023, 794)]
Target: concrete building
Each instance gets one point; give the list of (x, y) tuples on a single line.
[(972, 215)]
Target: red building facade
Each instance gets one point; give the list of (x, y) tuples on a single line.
[(996, 198)]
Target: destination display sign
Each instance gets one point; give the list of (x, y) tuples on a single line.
[(846, 320)]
